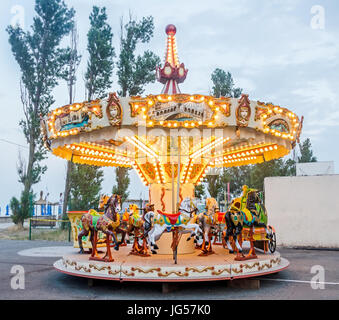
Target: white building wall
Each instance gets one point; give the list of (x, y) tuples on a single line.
[(304, 210), (315, 168)]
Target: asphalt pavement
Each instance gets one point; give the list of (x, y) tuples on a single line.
[(42, 281)]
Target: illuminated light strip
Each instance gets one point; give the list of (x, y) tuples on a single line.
[(158, 172), (162, 172), (137, 143), (140, 173), (197, 151), (208, 147), (188, 166), (182, 177), (114, 160), (149, 152), (139, 147), (155, 155), (106, 161), (84, 150), (246, 153), (102, 148), (235, 161)]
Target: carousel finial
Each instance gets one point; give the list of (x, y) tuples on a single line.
[(172, 72)]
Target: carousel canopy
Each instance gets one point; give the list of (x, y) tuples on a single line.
[(159, 134)]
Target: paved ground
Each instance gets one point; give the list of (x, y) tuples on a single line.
[(43, 282)]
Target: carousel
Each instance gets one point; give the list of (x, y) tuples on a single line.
[(171, 140)]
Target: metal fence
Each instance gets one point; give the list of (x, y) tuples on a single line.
[(47, 224)]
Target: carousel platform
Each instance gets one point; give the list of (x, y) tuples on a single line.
[(190, 267)]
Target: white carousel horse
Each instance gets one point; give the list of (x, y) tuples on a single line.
[(164, 222)]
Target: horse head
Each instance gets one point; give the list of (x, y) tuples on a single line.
[(103, 201), (113, 205), (235, 212), (117, 203)]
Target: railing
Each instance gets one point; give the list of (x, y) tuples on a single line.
[(34, 222)]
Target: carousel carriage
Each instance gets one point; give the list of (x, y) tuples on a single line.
[(248, 222)]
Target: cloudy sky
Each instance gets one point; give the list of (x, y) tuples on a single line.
[(280, 51)]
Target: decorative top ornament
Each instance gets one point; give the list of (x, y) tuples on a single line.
[(171, 30), (172, 72)]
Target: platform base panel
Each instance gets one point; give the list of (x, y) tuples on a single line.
[(190, 267)]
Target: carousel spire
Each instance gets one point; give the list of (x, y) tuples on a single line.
[(172, 72)]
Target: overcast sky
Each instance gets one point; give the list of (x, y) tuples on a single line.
[(277, 51)]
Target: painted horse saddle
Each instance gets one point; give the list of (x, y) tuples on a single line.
[(172, 217)]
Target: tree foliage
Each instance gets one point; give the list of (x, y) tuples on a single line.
[(22, 209), (39, 57), (101, 54), (223, 84), (85, 187), (135, 71), (122, 182), (265, 169), (237, 177), (306, 153), (199, 191)]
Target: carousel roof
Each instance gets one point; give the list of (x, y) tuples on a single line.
[(154, 132)]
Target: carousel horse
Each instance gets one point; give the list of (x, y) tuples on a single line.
[(164, 222), (244, 211), (106, 223), (208, 221), (136, 226), (122, 227)]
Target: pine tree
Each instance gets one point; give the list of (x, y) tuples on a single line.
[(199, 191), (22, 209), (260, 171), (134, 72), (85, 187), (101, 54), (39, 57), (122, 179), (223, 84), (306, 153)]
